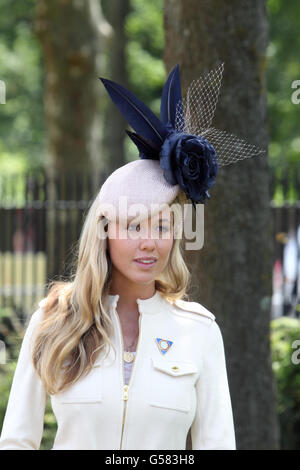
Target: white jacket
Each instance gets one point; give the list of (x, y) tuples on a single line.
[(166, 395)]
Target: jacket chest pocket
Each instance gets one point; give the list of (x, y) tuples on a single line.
[(171, 384), (86, 390)]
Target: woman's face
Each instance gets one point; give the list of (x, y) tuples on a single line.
[(128, 241)]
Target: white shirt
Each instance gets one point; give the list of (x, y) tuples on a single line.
[(167, 393)]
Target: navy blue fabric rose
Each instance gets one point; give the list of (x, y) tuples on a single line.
[(190, 161)]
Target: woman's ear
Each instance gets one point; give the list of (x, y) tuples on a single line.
[(102, 227)]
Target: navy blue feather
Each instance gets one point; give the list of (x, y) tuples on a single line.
[(138, 115), (171, 95), (147, 151)]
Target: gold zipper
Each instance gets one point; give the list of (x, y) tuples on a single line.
[(126, 387)]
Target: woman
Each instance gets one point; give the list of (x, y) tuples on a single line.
[(178, 377), (127, 362)]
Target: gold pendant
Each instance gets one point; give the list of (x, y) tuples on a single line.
[(128, 356)]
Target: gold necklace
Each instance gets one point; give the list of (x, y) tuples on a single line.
[(128, 356)]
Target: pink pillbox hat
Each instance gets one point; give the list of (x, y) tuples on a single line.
[(138, 188)]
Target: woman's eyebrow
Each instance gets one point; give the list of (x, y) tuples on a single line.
[(132, 217), (161, 220), (129, 219)]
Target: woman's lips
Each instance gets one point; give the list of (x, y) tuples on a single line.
[(145, 265)]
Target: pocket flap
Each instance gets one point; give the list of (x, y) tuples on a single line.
[(174, 368)]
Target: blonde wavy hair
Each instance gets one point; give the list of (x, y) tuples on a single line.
[(76, 324)]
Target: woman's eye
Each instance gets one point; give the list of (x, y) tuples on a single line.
[(164, 227), (161, 227), (133, 225)]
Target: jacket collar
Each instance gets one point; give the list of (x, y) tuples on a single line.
[(147, 306)]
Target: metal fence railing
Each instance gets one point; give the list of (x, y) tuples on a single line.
[(41, 219)]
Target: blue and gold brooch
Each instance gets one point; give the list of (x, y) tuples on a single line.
[(163, 344)]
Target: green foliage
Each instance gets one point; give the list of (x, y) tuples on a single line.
[(6, 376), (284, 332), (145, 25), (50, 428), (145, 35), (282, 70), (22, 130)]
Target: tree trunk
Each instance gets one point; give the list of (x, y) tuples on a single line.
[(232, 273), (72, 35), (114, 123)]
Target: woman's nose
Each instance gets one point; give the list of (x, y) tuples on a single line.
[(146, 235)]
